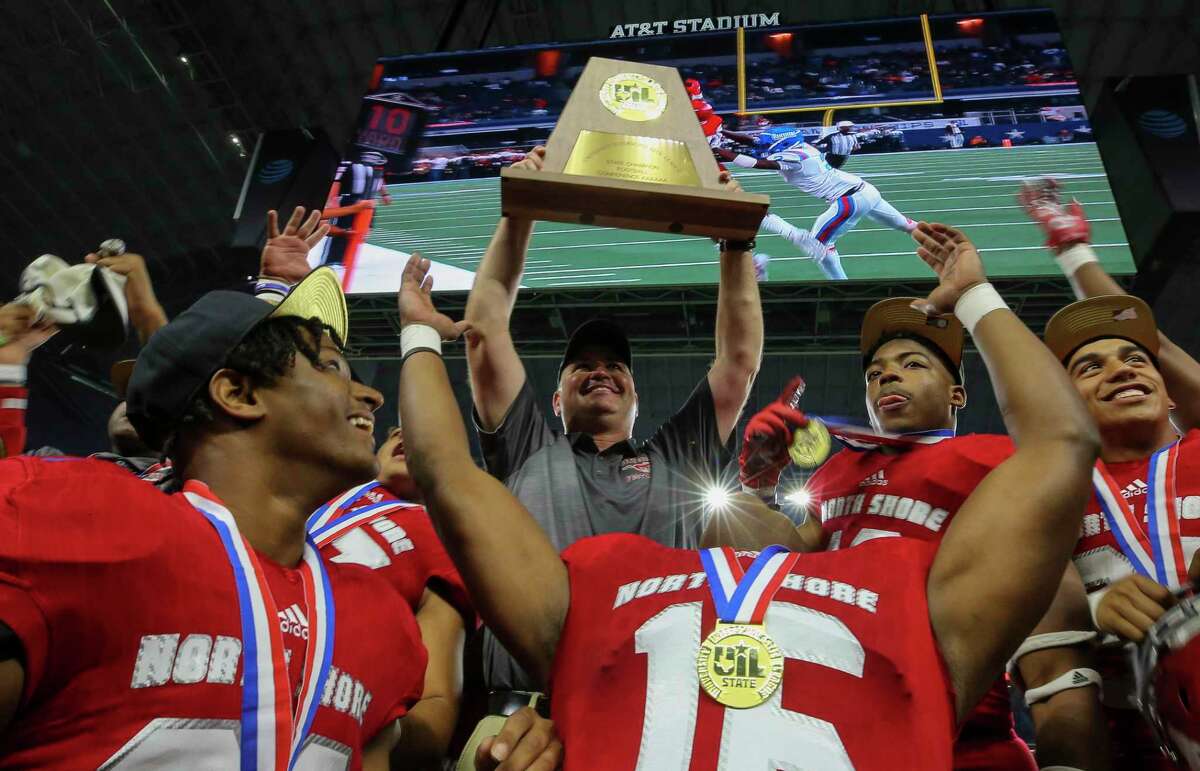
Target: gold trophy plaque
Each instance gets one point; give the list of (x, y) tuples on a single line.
[(628, 152)]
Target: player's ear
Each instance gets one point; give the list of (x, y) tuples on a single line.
[(234, 395), (958, 397), (556, 402)]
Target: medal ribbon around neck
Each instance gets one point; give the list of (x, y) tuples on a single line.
[(864, 438), (1156, 551), (335, 518), (272, 735), (742, 597)]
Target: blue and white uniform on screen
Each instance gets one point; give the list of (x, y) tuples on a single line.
[(849, 197)]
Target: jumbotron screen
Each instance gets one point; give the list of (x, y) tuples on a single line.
[(947, 115)]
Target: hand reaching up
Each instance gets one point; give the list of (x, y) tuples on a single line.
[(953, 258), (416, 301)]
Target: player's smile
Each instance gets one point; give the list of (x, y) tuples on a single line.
[(1129, 393)]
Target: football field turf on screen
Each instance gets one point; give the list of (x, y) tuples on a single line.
[(974, 189)]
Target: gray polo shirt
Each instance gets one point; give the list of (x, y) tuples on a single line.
[(651, 487)]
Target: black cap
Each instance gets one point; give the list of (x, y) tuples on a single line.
[(597, 332), (181, 357)]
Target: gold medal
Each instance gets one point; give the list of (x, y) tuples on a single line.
[(633, 96), (739, 665), (810, 445)]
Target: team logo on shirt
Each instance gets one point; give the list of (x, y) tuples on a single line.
[(293, 621), (878, 479), (1136, 487), (635, 468)]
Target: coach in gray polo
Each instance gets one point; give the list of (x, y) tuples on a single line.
[(587, 475)]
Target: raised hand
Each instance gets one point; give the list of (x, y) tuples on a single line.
[(145, 313), (953, 258), (19, 336), (765, 442), (728, 183), (1063, 226), (533, 161), (416, 301), (285, 255)]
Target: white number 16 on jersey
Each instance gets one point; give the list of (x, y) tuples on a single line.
[(766, 737)]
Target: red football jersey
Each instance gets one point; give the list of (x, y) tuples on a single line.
[(127, 609), (1101, 562), (1097, 554), (402, 545), (864, 685), (914, 493)]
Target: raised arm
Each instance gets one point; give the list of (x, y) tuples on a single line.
[(739, 332), (1069, 236), (1004, 554), (741, 137), (146, 315), (495, 369), (497, 546), (746, 161)]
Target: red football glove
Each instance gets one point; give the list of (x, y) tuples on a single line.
[(1063, 226), (765, 442)]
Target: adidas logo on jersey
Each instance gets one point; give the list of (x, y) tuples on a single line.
[(1079, 678), (1136, 487), (878, 479), (293, 621)]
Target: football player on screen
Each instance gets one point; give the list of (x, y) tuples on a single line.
[(849, 197), (881, 650)]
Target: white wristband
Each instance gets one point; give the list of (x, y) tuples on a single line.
[(977, 302), (1074, 258), (745, 161), (419, 337), (1093, 600), (13, 374)]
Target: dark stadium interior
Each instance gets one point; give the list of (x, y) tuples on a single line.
[(120, 116)]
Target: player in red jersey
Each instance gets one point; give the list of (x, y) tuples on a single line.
[(911, 483), (382, 525), (913, 375), (201, 630), (882, 648), (1143, 391), (914, 389)]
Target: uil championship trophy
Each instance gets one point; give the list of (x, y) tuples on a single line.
[(628, 152)]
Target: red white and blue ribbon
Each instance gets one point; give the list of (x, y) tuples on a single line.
[(1156, 550), (863, 438), (742, 597), (339, 515), (272, 734)]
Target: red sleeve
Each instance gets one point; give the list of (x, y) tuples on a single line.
[(410, 659), (440, 575), (818, 485), (986, 449), (13, 399), (18, 608)]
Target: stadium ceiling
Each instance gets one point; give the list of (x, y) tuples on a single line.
[(118, 116)]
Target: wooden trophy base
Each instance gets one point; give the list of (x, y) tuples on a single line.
[(660, 208)]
